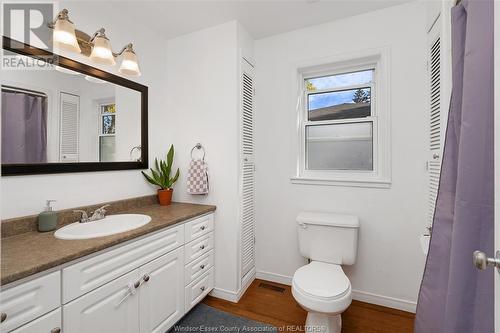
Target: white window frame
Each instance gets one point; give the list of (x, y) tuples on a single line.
[(379, 117), (100, 117)]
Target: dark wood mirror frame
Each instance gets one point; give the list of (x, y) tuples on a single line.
[(44, 168)]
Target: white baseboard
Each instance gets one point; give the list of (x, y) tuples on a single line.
[(234, 296), (363, 296), (224, 294), (390, 302), (273, 277)]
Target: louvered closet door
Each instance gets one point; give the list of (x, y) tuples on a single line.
[(435, 116), (247, 171), (69, 127)]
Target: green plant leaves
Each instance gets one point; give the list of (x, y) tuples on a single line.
[(149, 179), (160, 176), (170, 156)]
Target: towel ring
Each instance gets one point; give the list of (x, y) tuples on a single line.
[(139, 149), (198, 146)]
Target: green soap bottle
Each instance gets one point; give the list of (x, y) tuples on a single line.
[(47, 220)]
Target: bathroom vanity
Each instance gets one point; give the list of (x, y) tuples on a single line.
[(144, 280)]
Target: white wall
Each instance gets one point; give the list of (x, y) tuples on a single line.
[(128, 122), (202, 106), (24, 195), (390, 263)]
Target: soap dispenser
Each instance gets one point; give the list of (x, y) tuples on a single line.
[(47, 220)]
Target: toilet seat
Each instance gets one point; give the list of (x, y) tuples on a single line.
[(322, 287)]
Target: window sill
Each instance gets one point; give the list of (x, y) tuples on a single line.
[(341, 182)]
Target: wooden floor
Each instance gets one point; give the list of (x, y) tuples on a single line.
[(278, 307)]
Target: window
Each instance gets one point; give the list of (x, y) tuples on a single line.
[(339, 126), (343, 126), (107, 124)]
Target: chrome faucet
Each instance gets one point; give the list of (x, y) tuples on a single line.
[(84, 218), (98, 214)]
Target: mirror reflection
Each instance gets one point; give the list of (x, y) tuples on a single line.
[(62, 116)]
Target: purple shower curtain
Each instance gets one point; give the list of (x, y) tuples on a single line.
[(454, 296), (24, 128)]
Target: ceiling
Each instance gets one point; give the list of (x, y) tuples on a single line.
[(261, 18)]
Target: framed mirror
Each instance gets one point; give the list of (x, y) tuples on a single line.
[(69, 117)]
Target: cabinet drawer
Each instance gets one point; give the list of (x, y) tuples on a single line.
[(49, 323), (198, 267), (198, 247), (197, 290), (91, 273), (199, 227), (30, 300)]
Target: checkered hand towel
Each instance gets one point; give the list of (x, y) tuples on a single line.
[(197, 180)]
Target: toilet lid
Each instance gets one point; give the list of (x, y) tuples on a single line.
[(322, 280)]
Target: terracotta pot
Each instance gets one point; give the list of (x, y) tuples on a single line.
[(165, 196)]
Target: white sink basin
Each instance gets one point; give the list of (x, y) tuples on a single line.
[(110, 225)]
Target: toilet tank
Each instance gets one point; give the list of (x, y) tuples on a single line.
[(328, 237)]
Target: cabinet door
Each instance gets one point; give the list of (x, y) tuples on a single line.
[(102, 311), (50, 323), (161, 294)]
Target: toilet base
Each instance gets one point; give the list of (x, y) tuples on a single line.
[(323, 323)]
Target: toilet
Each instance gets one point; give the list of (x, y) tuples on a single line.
[(321, 287)]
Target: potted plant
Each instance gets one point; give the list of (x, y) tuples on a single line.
[(161, 177)]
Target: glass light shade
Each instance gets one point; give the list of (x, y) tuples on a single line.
[(101, 52), (129, 65), (64, 36)]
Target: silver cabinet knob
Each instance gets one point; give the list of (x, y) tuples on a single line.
[(202, 247), (482, 261), (3, 316), (202, 227), (55, 330), (146, 277), (202, 288)]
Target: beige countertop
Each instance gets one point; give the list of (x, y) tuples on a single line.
[(32, 252)]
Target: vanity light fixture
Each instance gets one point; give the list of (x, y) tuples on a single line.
[(64, 32), (129, 65), (97, 48), (101, 49)]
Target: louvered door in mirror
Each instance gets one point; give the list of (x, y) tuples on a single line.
[(68, 146), (435, 117), (247, 171)]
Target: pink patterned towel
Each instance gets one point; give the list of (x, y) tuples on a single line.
[(197, 179)]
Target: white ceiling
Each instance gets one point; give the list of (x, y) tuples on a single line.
[(261, 18)]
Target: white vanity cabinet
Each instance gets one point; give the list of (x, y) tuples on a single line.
[(109, 308), (199, 259), (28, 301), (145, 285), (161, 295), (49, 323)]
